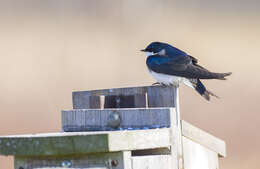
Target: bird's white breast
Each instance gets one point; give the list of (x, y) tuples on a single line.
[(166, 79), (170, 79)]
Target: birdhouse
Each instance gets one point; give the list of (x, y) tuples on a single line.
[(123, 128)]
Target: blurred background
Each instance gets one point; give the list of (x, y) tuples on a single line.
[(49, 48)]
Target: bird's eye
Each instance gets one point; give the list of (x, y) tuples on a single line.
[(151, 49)]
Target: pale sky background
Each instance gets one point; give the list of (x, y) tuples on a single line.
[(49, 48)]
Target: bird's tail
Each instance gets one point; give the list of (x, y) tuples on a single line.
[(221, 76), (201, 89), (202, 73)]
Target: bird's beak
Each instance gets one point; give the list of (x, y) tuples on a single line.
[(143, 50)]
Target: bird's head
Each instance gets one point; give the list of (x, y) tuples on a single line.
[(156, 48)]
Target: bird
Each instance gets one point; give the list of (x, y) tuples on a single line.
[(171, 66)]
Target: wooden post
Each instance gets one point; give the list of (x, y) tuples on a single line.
[(125, 128)]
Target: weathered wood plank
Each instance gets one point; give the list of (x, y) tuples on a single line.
[(103, 119), (131, 97), (76, 143), (197, 156), (197, 135), (140, 100), (114, 91), (85, 101), (115, 160), (152, 162), (160, 96)]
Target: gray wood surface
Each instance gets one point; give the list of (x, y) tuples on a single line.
[(197, 156), (132, 97), (152, 162), (76, 143), (197, 135), (98, 119), (81, 100), (128, 97), (115, 160), (161, 96)]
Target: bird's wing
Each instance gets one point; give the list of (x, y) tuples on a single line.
[(195, 61), (180, 66)]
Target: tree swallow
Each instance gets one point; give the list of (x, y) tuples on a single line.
[(171, 66)]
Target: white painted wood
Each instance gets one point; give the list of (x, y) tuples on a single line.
[(70, 143), (177, 143), (152, 162), (197, 156), (126, 160), (197, 135), (139, 139)]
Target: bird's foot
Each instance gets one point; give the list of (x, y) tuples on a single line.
[(156, 84), (164, 85), (159, 84)]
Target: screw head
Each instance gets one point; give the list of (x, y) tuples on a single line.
[(66, 163), (114, 119), (114, 163)]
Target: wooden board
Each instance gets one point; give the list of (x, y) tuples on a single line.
[(152, 162), (199, 136), (197, 156), (115, 119), (161, 96), (115, 160), (132, 97), (177, 148), (76, 143)]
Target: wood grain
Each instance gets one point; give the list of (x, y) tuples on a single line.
[(99, 119), (161, 96), (131, 97)]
